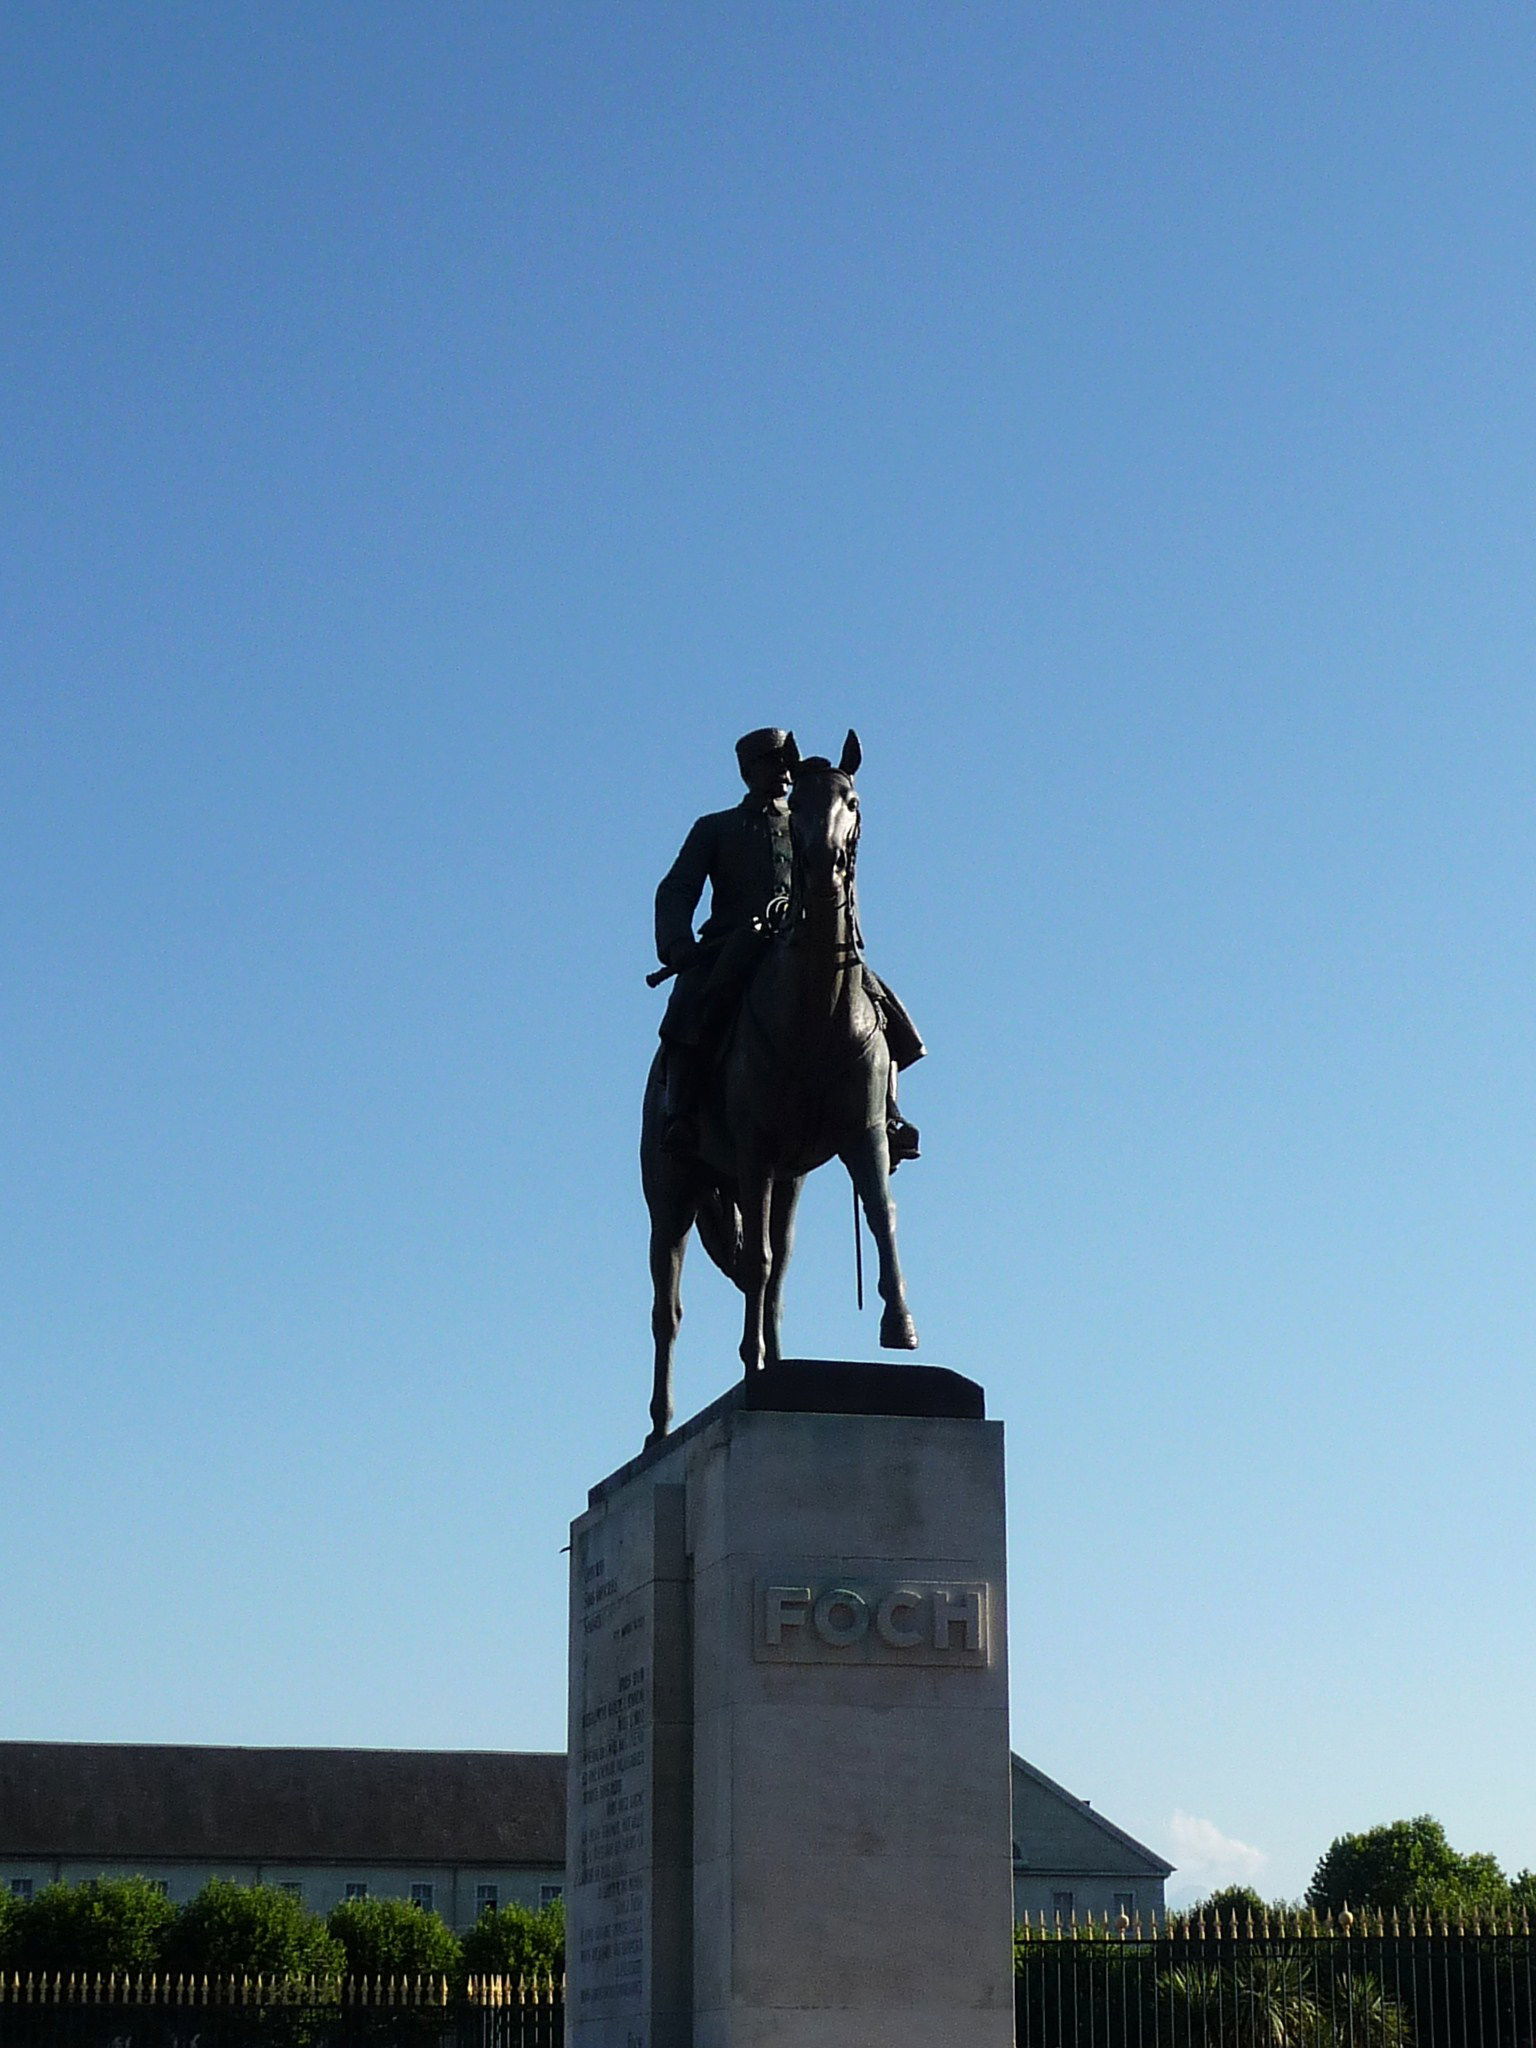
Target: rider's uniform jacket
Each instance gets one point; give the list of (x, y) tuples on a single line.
[(744, 855)]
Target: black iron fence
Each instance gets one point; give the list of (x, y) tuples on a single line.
[(1289, 1981), (146, 2009)]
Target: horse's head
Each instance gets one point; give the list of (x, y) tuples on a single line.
[(824, 820)]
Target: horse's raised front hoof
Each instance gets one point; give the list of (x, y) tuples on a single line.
[(898, 1332)]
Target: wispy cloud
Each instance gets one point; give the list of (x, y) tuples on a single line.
[(1207, 1858)]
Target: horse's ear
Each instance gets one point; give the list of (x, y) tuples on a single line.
[(791, 753), (853, 753)]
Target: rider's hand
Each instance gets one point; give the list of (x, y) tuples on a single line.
[(680, 954)]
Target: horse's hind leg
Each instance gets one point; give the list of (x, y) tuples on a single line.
[(869, 1165), (784, 1200), (668, 1244), (756, 1263)]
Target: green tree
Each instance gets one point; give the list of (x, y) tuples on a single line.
[(1232, 1901), (388, 1938), (8, 1909), (1407, 1863), (106, 1923), (514, 1941), (1522, 1891), (250, 1930)]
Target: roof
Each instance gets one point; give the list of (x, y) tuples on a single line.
[(196, 1803), (172, 1800), (1086, 1819)]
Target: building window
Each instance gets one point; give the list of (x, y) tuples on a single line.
[(21, 1887), (422, 1895), (548, 1893), (292, 1887), (1125, 1902), (485, 1899), (357, 1891), (1061, 1905)]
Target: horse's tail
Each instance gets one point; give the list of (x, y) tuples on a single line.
[(719, 1227)]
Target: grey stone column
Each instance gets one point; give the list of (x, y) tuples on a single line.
[(789, 1792)]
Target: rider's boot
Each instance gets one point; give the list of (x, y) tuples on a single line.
[(901, 1137), (680, 1113)]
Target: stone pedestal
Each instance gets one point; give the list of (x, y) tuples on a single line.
[(789, 1777)]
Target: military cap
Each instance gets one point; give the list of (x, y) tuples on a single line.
[(768, 739)]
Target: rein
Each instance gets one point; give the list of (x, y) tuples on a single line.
[(787, 914), (787, 918)]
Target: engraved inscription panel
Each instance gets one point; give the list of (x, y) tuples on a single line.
[(816, 1613), (611, 1851)]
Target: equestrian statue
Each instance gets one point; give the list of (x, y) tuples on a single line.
[(779, 1048)]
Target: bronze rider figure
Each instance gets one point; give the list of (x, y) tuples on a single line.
[(744, 855)]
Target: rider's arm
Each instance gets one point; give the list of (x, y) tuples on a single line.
[(681, 887)]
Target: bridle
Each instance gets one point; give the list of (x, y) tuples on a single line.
[(786, 914)]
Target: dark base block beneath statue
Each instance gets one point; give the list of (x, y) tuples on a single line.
[(789, 1779), (835, 1386), (822, 1386)]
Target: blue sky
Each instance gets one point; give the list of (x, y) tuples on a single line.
[(432, 434)]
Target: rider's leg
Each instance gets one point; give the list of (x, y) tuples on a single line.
[(905, 1047), (685, 1079), (902, 1137)]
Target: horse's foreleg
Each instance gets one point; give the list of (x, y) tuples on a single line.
[(781, 1242), (868, 1162), (668, 1245), (756, 1261)]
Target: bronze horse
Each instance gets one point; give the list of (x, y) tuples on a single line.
[(802, 1078)]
